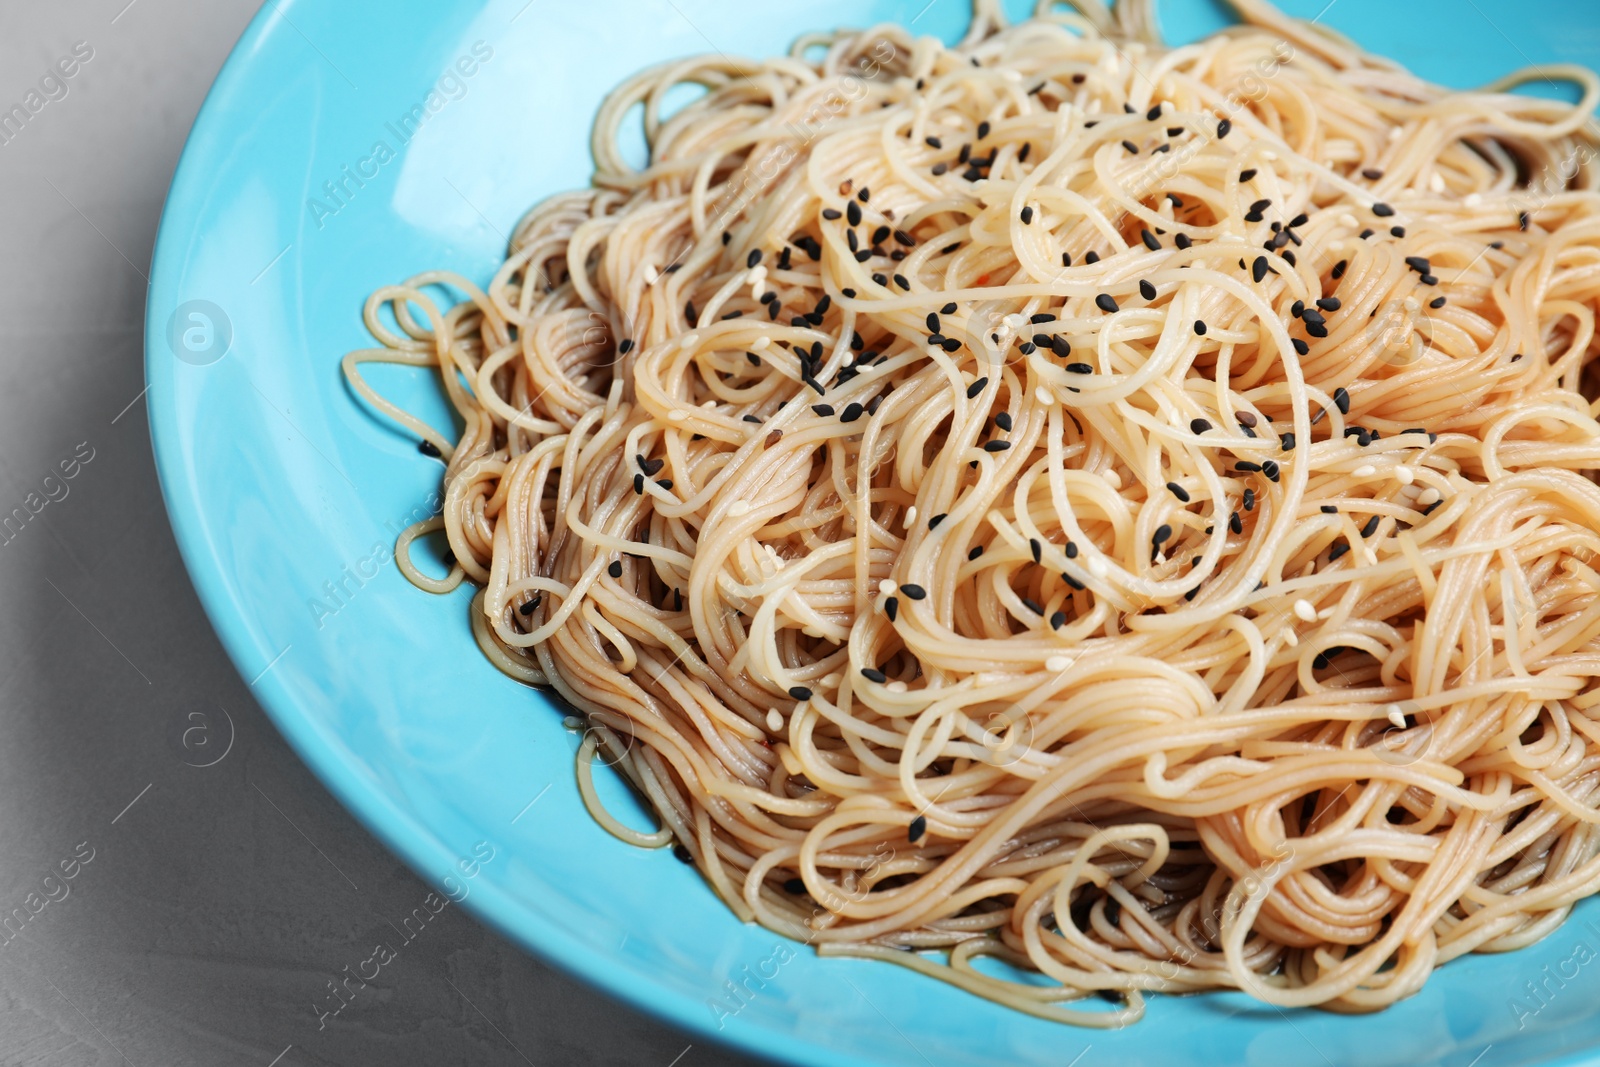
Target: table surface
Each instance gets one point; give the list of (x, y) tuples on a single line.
[(201, 923)]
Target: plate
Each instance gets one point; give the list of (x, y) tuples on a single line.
[(350, 143)]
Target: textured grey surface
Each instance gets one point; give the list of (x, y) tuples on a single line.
[(214, 910)]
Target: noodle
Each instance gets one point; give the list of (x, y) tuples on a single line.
[(1122, 511)]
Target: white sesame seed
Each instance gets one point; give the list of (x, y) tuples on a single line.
[(1428, 496), (739, 508), (1112, 478), (1057, 664), (677, 415), (1291, 638), (1472, 200), (651, 274), (1366, 470), (774, 720), (1436, 182), (1404, 475), (886, 587), (1097, 566), (896, 686), (1396, 715), (1304, 610), (911, 516)]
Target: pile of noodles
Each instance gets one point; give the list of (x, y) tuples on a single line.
[(1121, 510)]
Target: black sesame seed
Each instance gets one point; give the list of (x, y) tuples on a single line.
[(1032, 605), (933, 142), (1146, 290), (940, 168), (830, 214), (1066, 259), (1329, 509), (1249, 499), (824, 410), (1246, 175), (1003, 420), (1270, 469), (1382, 210), (1027, 215), (1419, 264), (651, 467), (1131, 147), (1334, 553), (977, 550), (1522, 220), (615, 570), (891, 607), (1091, 257), (1341, 399), (1329, 303), (918, 827), (1286, 442), (1364, 234), (1370, 527), (1199, 327), (1182, 240), (1258, 269), (864, 195), (1234, 523), (665, 483), (900, 280), (1247, 466), (1339, 269), (1437, 302), (1300, 346), (1223, 128), (1079, 368), (913, 592), (681, 854), (1397, 231), (996, 446), (1198, 426), (1372, 174), (638, 484), (976, 387), (1162, 535), (1178, 491), (903, 238), (1428, 279), (1149, 240), (1105, 303)]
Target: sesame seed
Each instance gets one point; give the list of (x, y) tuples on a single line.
[(1397, 231), (1419, 264), (665, 483), (1178, 491), (976, 387), (1066, 259), (996, 446), (1382, 210), (853, 213), (1437, 302), (891, 608), (1234, 524), (1428, 279), (1105, 303), (1199, 327), (1223, 128), (638, 484), (1198, 426), (1091, 257), (940, 168), (1270, 469), (1300, 346), (1147, 290), (933, 142), (1249, 499), (1286, 442), (1370, 528), (1246, 175), (1079, 368), (1339, 268), (1182, 240), (1027, 215), (977, 550), (1071, 550), (1522, 220), (1003, 420), (830, 214), (900, 280), (428, 448), (933, 523), (625, 347), (983, 130), (800, 692), (913, 592), (1032, 605), (864, 195), (1162, 535), (919, 826), (1341, 398), (615, 570), (1131, 147), (1364, 234), (1372, 174), (1149, 240), (1246, 466), (1258, 269)]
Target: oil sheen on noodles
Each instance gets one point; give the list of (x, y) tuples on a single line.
[(1122, 510)]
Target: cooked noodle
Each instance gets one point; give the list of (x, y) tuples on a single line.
[(1213, 601)]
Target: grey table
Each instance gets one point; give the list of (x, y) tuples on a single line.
[(156, 912)]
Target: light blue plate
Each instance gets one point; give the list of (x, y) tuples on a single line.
[(286, 495)]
